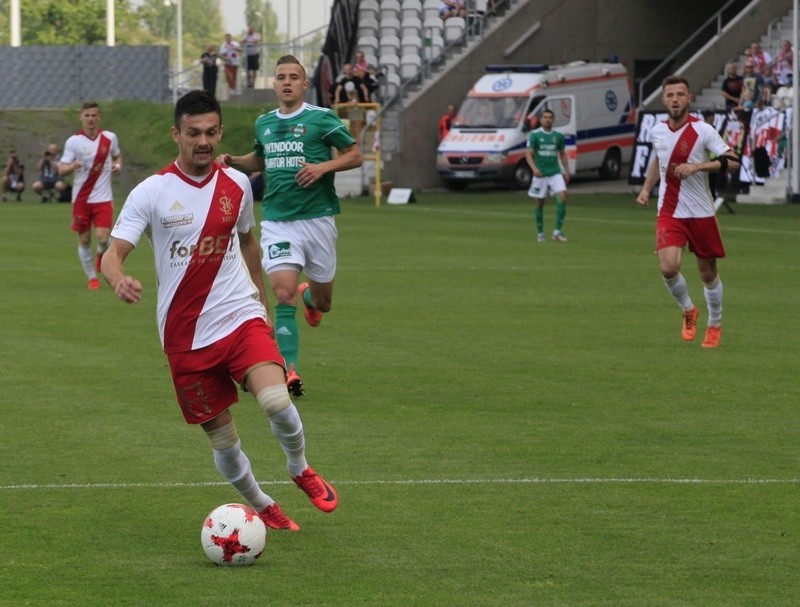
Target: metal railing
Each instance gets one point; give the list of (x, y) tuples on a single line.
[(712, 27)]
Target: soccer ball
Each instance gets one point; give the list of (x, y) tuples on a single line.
[(233, 534)]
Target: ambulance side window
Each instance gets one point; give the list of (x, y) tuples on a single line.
[(533, 114)]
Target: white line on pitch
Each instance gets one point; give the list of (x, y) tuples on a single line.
[(494, 481)]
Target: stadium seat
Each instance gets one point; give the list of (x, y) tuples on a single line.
[(454, 28), (430, 8), (389, 45), (391, 84), (390, 62), (390, 27), (390, 9), (410, 66), (432, 26), (368, 45), (411, 8), (411, 45), (411, 26), (434, 47), (369, 8), (368, 27)]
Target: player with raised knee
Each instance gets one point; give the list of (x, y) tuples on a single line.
[(212, 304)]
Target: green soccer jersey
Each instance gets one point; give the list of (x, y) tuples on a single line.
[(546, 146), (284, 142)]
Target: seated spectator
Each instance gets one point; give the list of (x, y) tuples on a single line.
[(49, 182), (361, 62), (370, 84), (452, 8), (751, 85), (769, 78), (759, 56), (783, 64), (342, 93), (13, 176)]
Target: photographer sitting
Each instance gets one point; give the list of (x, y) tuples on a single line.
[(13, 176), (50, 182)]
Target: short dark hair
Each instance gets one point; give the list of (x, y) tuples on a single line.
[(88, 104), (290, 59), (548, 111), (196, 102), (675, 80)]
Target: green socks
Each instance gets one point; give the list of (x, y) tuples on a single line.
[(286, 333)]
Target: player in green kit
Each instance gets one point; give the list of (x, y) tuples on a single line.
[(298, 232), (545, 147)]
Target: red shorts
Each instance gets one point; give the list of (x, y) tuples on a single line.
[(101, 214), (204, 379), (700, 233)]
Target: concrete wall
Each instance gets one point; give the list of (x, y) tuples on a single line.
[(633, 29)]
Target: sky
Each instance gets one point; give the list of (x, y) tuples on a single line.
[(307, 14)]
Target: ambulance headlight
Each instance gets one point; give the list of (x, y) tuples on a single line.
[(495, 158)]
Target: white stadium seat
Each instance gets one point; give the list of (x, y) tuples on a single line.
[(390, 45), (410, 45), (390, 8), (390, 27), (368, 45), (411, 26), (368, 27), (411, 8), (432, 26), (410, 66), (454, 28), (368, 8), (391, 84), (391, 62)]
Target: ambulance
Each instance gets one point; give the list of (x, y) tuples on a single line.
[(593, 108)]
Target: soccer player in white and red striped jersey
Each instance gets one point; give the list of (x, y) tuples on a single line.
[(212, 305), (93, 155), (682, 145)]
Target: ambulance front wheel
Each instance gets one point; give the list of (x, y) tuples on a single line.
[(612, 165), (521, 179)]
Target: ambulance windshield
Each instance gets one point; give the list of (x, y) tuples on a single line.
[(490, 112)]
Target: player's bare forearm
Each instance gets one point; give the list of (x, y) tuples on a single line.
[(249, 163), (650, 180), (126, 288), (309, 174)]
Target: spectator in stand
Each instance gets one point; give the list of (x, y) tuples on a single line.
[(252, 46), (210, 69), (759, 56), (13, 176), (229, 52), (751, 85), (731, 86), (361, 62), (768, 77), (49, 182), (452, 8), (783, 64), (342, 94), (446, 121)]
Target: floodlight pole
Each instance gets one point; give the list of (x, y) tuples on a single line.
[(110, 31), (794, 169), (16, 38)]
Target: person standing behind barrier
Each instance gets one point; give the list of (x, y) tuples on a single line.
[(252, 46), (731, 86), (298, 234), (93, 155), (545, 147), (210, 69), (230, 52), (682, 145)]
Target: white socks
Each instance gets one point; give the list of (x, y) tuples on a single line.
[(677, 287), (235, 467), (713, 293), (87, 261), (288, 429)]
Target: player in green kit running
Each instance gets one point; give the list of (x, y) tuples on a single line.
[(298, 232), (545, 147)]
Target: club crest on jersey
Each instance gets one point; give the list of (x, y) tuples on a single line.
[(298, 130), (279, 249), (226, 206), (683, 147)]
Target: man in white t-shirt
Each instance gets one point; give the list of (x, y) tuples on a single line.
[(252, 46), (681, 148), (212, 305), (93, 155), (230, 53)]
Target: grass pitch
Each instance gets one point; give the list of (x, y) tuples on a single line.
[(508, 423)]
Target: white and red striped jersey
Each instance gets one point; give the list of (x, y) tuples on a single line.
[(691, 143), (204, 288), (92, 182)]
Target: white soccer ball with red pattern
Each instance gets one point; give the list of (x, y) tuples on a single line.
[(233, 534)]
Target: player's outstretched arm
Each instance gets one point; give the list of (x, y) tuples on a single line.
[(249, 163), (126, 288)]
